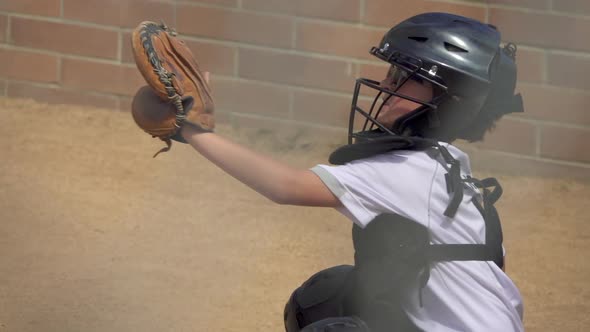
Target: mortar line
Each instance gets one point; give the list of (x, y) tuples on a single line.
[(579, 54), (55, 86), (282, 15), (291, 110), (545, 62), (59, 70), (64, 55), (362, 11), (120, 47), (294, 25), (519, 118), (538, 158), (236, 60), (538, 140), (62, 21), (8, 31), (549, 11), (175, 14), (463, 2)]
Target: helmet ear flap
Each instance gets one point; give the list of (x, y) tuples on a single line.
[(501, 99)]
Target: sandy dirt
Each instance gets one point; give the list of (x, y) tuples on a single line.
[(95, 235)]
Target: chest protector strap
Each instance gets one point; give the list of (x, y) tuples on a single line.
[(492, 249)]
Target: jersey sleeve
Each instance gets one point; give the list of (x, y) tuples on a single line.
[(390, 183), (355, 206)]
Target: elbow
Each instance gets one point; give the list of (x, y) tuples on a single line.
[(278, 200), (284, 191), (281, 197)]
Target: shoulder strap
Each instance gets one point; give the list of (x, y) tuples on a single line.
[(492, 249)]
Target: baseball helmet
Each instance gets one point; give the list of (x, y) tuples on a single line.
[(472, 75)]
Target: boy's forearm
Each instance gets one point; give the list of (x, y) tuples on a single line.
[(267, 176)]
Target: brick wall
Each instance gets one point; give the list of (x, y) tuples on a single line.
[(285, 63)]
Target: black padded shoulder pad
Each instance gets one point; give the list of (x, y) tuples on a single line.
[(374, 146)]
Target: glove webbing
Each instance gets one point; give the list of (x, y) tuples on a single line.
[(164, 76)]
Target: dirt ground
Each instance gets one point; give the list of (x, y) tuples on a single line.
[(95, 235)]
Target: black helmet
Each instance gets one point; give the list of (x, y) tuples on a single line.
[(473, 77)]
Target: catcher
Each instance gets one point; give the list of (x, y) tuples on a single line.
[(427, 238)]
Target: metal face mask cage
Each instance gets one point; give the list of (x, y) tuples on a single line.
[(403, 68)]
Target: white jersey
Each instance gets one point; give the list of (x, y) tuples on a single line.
[(460, 295)]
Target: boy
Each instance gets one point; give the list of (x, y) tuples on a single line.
[(428, 242)]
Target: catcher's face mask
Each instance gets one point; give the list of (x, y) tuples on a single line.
[(404, 70)]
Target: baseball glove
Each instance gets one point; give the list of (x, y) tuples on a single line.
[(171, 71)]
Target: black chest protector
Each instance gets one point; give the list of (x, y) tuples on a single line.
[(393, 253)]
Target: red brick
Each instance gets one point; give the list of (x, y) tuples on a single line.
[(3, 26), (321, 108), (250, 97), (545, 30), (107, 15), (511, 135), (60, 96), (388, 13), (101, 77), (535, 4), (375, 71), (127, 48), (64, 38), (125, 13), (235, 26), (134, 12), (531, 65), (215, 58), (31, 7), (500, 162), (26, 66), (227, 3), (294, 69), (340, 10), (572, 6), (337, 39), (555, 104), (565, 143), (569, 71)]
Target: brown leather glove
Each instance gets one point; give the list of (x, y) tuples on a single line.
[(170, 69)]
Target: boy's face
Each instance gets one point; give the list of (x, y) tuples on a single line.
[(394, 107)]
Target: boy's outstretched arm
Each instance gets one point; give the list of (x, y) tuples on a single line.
[(275, 180)]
